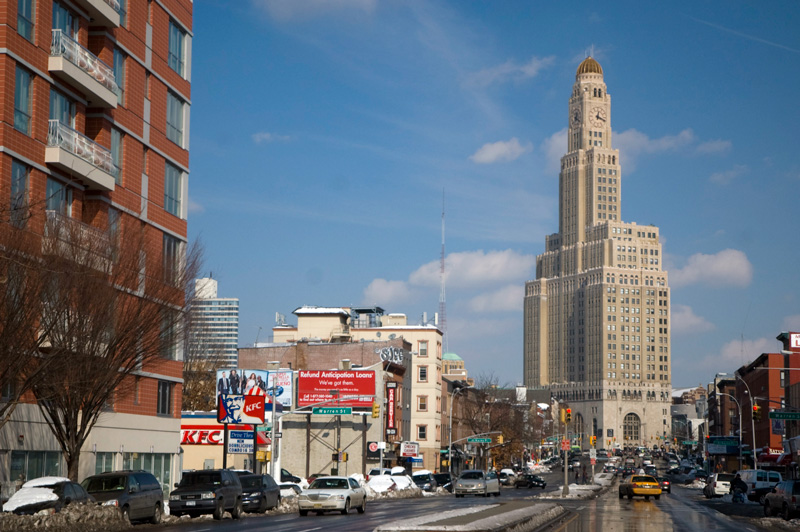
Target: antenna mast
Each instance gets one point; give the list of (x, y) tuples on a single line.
[(442, 304)]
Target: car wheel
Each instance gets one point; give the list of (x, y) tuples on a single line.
[(498, 493), (218, 511), (762, 499), (346, 508), (621, 495), (363, 507), (303, 513), (158, 513), (126, 514), (656, 497), (630, 496), (647, 497), (236, 513), (787, 515), (767, 509)]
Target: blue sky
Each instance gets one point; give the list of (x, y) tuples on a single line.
[(323, 133)]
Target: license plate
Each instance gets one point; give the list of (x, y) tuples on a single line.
[(317, 506), (189, 503)]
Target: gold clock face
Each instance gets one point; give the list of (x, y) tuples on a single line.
[(598, 117), (576, 117)]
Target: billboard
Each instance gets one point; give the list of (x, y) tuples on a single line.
[(284, 389), (239, 381), (239, 409), (390, 405), (355, 388)]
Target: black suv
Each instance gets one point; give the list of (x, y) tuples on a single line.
[(210, 491), (137, 494)]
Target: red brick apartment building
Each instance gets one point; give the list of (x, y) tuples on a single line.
[(95, 126)]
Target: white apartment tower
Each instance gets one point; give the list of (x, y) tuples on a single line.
[(597, 329), (215, 323)]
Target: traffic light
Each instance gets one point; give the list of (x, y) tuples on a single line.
[(756, 413), (500, 438), (594, 440), (344, 457), (376, 409), (568, 417)]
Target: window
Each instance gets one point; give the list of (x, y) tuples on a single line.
[(423, 374), (62, 108), (422, 403), (25, 18), (22, 100), (172, 190), (65, 20), (19, 193), (171, 252), (116, 153), (104, 462), (174, 119), (119, 75), (176, 46), (422, 432), (59, 197), (423, 349), (164, 398), (34, 464), (123, 13), (7, 390)]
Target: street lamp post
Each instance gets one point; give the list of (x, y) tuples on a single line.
[(740, 425), (752, 421), (450, 439)]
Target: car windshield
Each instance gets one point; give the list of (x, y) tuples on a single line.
[(442, 477), (250, 482), (104, 484), (725, 477), (328, 484), (472, 475), (200, 478)]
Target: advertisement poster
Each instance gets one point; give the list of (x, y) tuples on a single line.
[(355, 388), (239, 409), (284, 390), (241, 382)]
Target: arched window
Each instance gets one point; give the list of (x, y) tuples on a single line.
[(631, 426)]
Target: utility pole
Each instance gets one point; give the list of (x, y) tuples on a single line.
[(565, 420)]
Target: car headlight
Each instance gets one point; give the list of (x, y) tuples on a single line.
[(459, 485), (174, 497), (113, 502), (426, 486), (208, 495), (340, 497)]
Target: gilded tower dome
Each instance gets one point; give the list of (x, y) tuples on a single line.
[(589, 66)]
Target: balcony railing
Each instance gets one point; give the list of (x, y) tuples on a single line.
[(74, 240), (66, 138), (64, 46)]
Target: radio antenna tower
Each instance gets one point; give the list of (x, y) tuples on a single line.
[(442, 304)]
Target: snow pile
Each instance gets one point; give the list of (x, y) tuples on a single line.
[(576, 491), (604, 479), (288, 493), (74, 518), (28, 496), (392, 487)]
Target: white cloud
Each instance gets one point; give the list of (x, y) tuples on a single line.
[(725, 178), (633, 143), (685, 321), (194, 207), (508, 298), (509, 70), (554, 147), (714, 146), (729, 267), (791, 323), (387, 293), (288, 9), (476, 268), (267, 137), (733, 355), (500, 151)]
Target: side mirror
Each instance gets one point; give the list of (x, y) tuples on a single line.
[(226, 482), (133, 489)]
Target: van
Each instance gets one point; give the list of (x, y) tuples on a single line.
[(759, 482), (137, 494)]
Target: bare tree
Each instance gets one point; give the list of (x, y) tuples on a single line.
[(202, 357), (109, 310)]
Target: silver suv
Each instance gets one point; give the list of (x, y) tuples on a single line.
[(784, 499), (137, 494)]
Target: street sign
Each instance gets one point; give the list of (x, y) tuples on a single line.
[(479, 440), (690, 442), (593, 454), (263, 428), (332, 411), (784, 415), (593, 461), (565, 445)]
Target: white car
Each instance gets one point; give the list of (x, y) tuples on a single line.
[(332, 493), (477, 482)]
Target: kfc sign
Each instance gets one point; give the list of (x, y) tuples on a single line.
[(355, 388), (201, 437)]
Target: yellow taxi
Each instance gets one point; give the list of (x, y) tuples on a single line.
[(640, 486)]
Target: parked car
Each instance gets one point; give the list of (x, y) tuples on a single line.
[(259, 493), (718, 484), (332, 493), (290, 490), (137, 494), (444, 480), (784, 499), (640, 486), (651, 470), (373, 472), (288, 477), (505, 478), (209, 491), (46, 493), (477, 482), (666, 485), (424, 480), (530, 481), (759, 482)]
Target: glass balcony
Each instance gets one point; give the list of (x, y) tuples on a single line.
[(80, 156), (103, 12), (74, 240), (80, 67)]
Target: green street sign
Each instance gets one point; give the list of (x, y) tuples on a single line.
[(690, 442), (479, 440), (332, 411), (263, 428), (784, 415)]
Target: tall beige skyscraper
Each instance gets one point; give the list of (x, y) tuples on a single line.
[(597, 329)]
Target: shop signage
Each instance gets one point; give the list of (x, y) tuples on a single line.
[(240, 442), (390, 407), (201, 437), (355, 388), (240, 409), (409, 449)]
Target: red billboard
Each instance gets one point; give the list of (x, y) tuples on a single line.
[(355, 388)]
